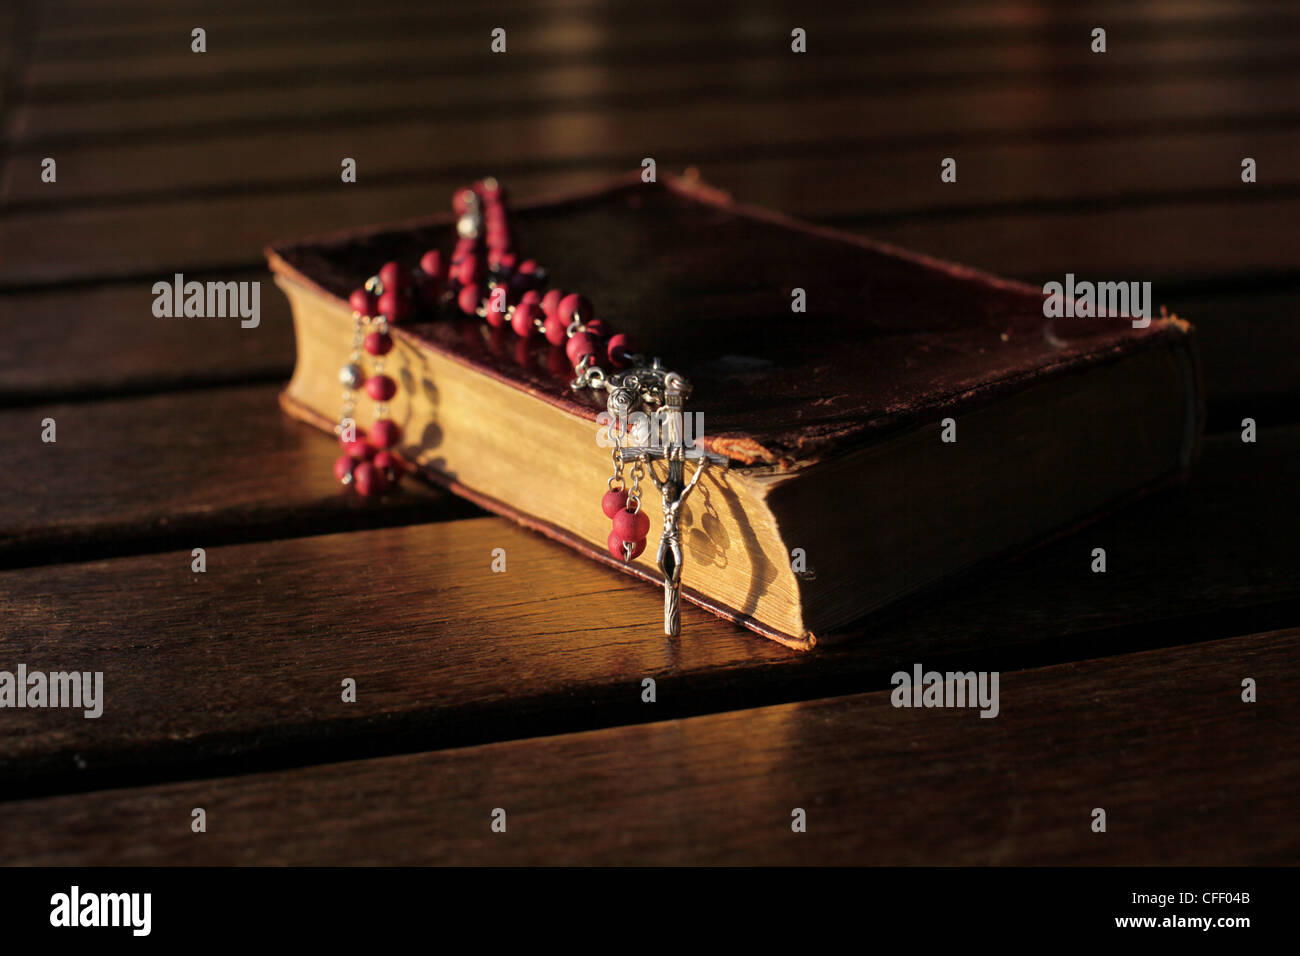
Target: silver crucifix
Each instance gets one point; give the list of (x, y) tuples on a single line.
[(672, 493), (654, 390)]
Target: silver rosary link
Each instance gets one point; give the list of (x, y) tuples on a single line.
[(634, 493), (351, 375), (377, 366), (617, 455)]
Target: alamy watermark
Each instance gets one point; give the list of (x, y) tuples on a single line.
[(1128, 300), (652, 430), (209, 300), (946, 689), (75, 908), (78, 690)]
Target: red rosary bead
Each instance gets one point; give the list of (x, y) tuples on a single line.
[(343, 466), (580, 344), (363, 302), (368, 479), (385, 433), (524, 320), (631, 526), (615, 545), (468, 299), (357, 448), (381, 387), (393, 305), (431, 265), (575, 304), (619, 350), (495, 310), (470, 270), (555, 330), (550, 302), (613, 503), (394, 276), (379, 343), (392, 467)]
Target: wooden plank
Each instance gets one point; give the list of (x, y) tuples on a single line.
[(151, 241), (179, 470), (1153, 241), (150, 25), (58, 351), (638, 33), (239, 668), (422, 88), (1187, 773), (75, 26), (942, 121), (15, 46), (93, 35), (1240, 229)]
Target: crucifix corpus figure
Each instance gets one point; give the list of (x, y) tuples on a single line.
[(672, 493)]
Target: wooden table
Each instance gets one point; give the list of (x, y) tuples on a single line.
[(523, 691)]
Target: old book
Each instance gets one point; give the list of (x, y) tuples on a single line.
[(846, 489)]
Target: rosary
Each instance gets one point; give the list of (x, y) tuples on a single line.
[(485, 278)]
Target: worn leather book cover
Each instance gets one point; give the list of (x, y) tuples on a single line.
[(889, 419)]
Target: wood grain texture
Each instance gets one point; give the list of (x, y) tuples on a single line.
[(633, 34), (240, 667), (105, 340), (1231, 229), (550, 84), (148, 241), (1186, 772), (184, 469), (67, 24), (693, 131), (1220, 236)]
